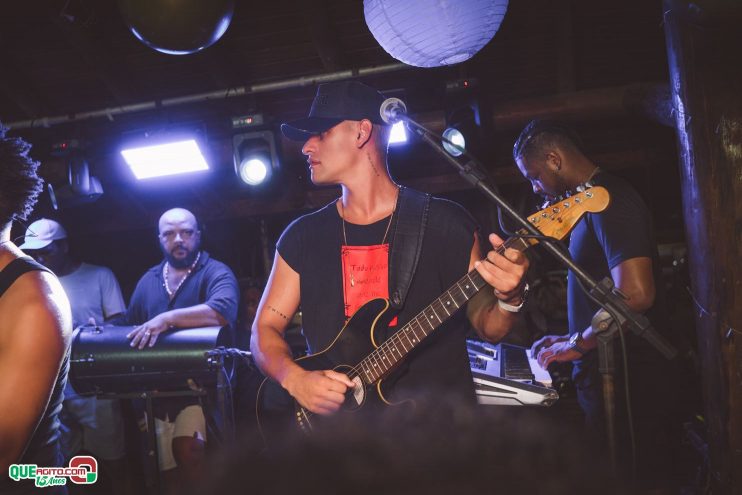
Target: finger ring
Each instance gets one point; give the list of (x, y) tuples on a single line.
[(146, 333)]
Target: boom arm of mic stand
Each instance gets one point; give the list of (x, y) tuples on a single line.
[(473, 174)]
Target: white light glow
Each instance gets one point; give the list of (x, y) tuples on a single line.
[(459, 143), (165, 159), (253, 171), (398, 133)]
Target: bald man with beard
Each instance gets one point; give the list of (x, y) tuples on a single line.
[(187, 289)]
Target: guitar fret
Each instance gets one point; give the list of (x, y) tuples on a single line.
[(458, 285), (375, 362), (384, 360), (444, 306), (365, 369), (434, 314), (453, 299), (414, 332), (369, 370), (468, 286), (397, 340), (407, 331), (393, 348)]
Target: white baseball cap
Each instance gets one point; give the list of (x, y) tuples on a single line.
[(41, 233)]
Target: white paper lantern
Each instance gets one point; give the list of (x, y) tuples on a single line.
[(431, 33)]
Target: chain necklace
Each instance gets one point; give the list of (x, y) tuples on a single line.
[(166, 271), (386, 232)]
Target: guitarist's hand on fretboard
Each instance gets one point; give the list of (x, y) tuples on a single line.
[(504, 269), (321, 392)]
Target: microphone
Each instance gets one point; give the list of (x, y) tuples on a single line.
[(392, 109)]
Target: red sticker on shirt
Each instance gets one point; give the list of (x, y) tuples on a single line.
[(365, 275)]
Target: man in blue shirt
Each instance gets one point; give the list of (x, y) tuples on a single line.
[(188, 289)]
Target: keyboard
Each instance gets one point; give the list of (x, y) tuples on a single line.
[(506, 374)]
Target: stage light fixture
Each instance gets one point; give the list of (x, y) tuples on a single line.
[(165, 158), (462, 131), (454, 141), (255, 156), (82, 188), (398, 134)]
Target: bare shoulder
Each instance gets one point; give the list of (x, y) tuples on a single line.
[(35, 305)]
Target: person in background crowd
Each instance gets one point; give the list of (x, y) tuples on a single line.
[(89, 424)]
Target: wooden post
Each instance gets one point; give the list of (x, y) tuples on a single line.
[(704, 48)]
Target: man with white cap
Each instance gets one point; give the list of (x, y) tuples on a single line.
[(88, 424)]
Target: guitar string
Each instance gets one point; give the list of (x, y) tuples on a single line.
[(385, 347), (396, 339)]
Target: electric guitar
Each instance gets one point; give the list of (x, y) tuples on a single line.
[(357, 349)]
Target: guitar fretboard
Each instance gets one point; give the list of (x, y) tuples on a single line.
[(377, 365)]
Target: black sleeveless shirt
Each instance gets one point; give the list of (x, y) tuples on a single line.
[(311, 246), (43, 448)]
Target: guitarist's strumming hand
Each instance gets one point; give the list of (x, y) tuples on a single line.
[(322, 392)]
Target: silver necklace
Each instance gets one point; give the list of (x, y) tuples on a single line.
[(166, 271)]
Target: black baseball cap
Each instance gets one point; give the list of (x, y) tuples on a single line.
[(334, 103)]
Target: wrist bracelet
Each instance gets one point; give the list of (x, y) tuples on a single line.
[(511, 308)]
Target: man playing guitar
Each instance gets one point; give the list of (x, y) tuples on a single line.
[(334, 260)]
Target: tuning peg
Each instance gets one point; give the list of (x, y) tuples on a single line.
[(588, 185), (580, 188)]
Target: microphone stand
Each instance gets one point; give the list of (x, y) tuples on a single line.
[(604, 293)]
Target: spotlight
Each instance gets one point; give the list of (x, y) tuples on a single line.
[(398, 134), (462, 132), (255, 156), (454, 141), (82, 188)]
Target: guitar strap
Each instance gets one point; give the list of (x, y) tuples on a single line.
[(407, 243)]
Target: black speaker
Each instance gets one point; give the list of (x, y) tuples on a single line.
[(103, 362)]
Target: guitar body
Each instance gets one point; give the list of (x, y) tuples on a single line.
[(363, 333)]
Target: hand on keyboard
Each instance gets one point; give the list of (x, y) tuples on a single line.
[(560, 351), (547, 341)]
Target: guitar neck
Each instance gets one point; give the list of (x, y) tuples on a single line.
[(378, 364)]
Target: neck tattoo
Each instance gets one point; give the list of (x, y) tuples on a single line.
[(166, 272), (383, 239)]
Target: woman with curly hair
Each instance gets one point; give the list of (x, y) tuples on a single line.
[(35, 328)]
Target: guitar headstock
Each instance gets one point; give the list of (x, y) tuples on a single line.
[(560, 217)]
